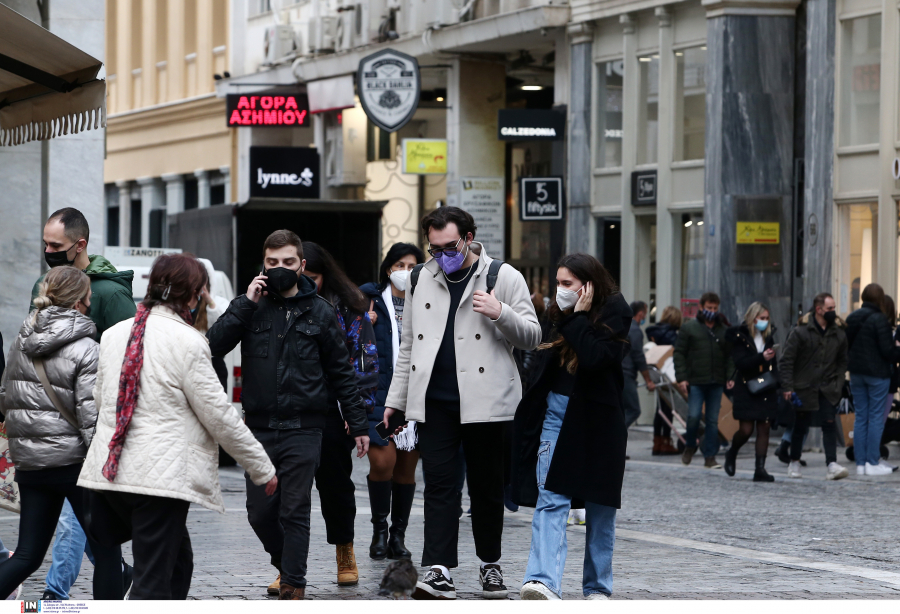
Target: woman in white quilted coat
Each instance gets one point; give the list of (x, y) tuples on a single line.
[(161, 412)]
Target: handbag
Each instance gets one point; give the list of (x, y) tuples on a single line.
[(64, 411), (9, 490), (763, 383)]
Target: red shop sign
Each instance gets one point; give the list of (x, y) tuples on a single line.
[(267, 110)]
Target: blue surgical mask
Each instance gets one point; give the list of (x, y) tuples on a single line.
[(642, 322), (762, 325)]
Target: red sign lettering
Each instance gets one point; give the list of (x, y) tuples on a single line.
[(274, 110)]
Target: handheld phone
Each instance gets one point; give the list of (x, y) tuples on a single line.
[(396, 421)]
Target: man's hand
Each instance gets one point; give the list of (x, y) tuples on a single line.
[(587, 296), (769, 354), (388, 412), (255, 289), (362, 446), (787, 395), (683, 387), (486, 304), (271, 486), (729, 384), (651, 386)]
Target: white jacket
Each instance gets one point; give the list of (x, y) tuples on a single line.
[(182, 411), (489, 384)]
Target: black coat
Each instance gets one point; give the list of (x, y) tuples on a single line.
[(662, 334), (872, 349), (383, 341), (749, 363), (293, 353), (589, 460)]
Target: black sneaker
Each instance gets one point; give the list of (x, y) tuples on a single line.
[(49, 596), (435, 585), (127, 578), (492, 586)]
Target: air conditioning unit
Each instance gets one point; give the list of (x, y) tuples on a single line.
[(424, 14), (345, 147), (280, 41), (352, 26), (322, 31)]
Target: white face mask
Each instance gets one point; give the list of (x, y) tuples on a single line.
[(566, 299), (399, 278)]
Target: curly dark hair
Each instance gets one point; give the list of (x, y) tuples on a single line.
[(440, 217)]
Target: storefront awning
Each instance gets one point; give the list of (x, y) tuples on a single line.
[(47, 86)]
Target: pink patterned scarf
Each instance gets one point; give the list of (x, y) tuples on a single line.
[(129, 383)]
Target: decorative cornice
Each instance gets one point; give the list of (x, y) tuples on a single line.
[(582, 32), (628, 23), (664, 15), (764, 8), (142, 181)]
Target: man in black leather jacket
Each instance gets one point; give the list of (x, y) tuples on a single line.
[(292, 351)]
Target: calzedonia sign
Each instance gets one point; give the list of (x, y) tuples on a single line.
[(267, 110), (530, 125), (284, 172)]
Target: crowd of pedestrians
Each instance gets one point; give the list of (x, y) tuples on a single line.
[(115, 413)]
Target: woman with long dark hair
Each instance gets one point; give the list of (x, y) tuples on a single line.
[(569, 431), (336, 489), (392, 462)]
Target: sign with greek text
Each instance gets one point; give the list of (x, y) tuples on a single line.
[(758, 233), (425, 156), (291, 110), (284, 172), (388, 84), (541, 199), (485, 199)]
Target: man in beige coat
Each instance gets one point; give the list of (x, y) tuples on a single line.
[(456, 376)]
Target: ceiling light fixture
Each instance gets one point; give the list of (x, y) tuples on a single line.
[(440, 99), (532, 88), (703, 48), (700, 223), (688, 223), (678, 54), (644, 59)]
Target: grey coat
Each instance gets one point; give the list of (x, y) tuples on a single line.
[(39, 437)]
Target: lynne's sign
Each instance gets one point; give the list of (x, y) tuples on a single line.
[(541, 199), (284, 172), (388, 83), (270, 110)]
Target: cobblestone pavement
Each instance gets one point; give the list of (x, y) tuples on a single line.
[(683, 533)]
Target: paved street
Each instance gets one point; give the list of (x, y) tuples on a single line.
[(683, 533)]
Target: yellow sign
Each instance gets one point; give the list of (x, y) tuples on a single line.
[(758, 233), (425, 156)]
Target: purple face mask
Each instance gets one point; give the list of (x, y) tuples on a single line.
[(452, 264)]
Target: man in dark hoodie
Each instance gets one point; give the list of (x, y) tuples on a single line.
[(66, 237)]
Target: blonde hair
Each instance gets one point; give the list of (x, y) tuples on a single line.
[(672, 316), (63, 286), (753, 312)]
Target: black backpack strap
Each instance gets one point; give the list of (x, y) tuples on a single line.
[(493, 273), (414, 278)]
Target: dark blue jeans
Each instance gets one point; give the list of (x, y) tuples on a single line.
[(711, 396)]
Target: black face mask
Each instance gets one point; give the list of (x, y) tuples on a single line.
[(830, 317), (87, 311), (280, 279), (55, 259)]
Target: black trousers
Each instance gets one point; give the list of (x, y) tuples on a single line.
[(281, 522), (827, 414), (660, 427), (41, 505), (439, 440), (163, 557), (333, 481)]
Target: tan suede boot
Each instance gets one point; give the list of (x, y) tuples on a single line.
[(289, 593), (275, 587), (347, 572)]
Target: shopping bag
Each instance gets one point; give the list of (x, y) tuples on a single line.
[(9, 490)]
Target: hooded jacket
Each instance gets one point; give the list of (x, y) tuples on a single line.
[(702, 354), (39, 437), (871, 342), (111, 295), (813, 363)]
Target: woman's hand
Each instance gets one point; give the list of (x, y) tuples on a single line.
[(346, 427), (769, 354), (587, 295), (204, 294), (373, 317), (729, 384), (271, 486)]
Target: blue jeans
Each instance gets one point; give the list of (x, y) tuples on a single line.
[(68, 550), (869, 398), (4, 552), (711, 396), (547, 558)]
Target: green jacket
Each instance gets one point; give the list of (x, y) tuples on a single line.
[(814, 364), (702, 355), (111, 298)]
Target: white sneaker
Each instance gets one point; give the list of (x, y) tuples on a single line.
[(860, 470), (577, 516), (878, 470), (537, 591), (836, 472), (597, 597), (794, 470), (883, 463)]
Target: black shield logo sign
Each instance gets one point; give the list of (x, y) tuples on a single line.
[(388, 84)]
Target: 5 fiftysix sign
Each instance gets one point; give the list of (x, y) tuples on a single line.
[(388, 84), (268, 110), (541, 199), (284, 172)]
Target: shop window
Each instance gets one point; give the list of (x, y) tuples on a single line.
[(693, 261), (609, 116), (648, 110), (690, 101), (157, 227), (860, 80), (112, 226), (134, 234), (858, 246)]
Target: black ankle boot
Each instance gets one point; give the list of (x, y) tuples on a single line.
[(761, 474), (380, 502), (731, 459), (403, 495)]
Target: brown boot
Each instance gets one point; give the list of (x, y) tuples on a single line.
[(347, 572), (289, 593), (666, 448), (656, 443), (275, 587)]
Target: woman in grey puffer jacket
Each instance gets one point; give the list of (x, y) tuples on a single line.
[(47, 450)]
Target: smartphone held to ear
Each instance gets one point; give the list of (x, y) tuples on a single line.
[(397, 420)]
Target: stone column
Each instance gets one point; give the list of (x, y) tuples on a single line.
[(202, 188), (124, 213), (226, 173), (580, 224), (749, 143), (668, 269), (174, 199), (631, 84), (821, 26), (147, 202)]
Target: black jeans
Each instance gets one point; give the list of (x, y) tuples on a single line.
[(163, 558), (281, 522), (41, 505), (827, 414), (439, 439), (660, 427), (336, 489)]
